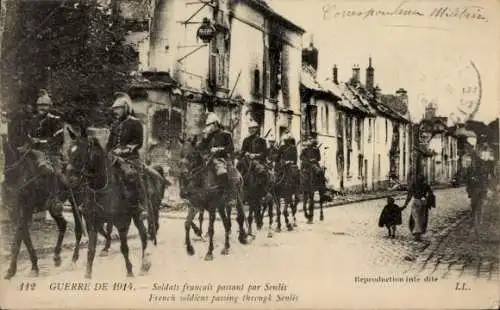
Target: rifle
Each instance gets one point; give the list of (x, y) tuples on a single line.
[(267, 133)]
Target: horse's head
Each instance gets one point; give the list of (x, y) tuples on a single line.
[(86, 159), (190, 154)]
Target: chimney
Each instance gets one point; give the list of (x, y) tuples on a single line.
[(402, 94), (355, 74), (335, 72), (310, 55), (370, 75)]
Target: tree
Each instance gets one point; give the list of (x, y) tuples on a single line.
[(80, 56)]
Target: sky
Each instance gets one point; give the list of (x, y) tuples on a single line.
[(428, 56)]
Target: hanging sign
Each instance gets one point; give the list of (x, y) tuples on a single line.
[(207, 31)]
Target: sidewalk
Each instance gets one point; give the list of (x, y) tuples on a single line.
[(458, 253)]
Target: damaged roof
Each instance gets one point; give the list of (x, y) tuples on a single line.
[(264, 7)]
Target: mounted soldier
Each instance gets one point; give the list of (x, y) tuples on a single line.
[(287, 153), (272, 151), (218, 146), (46, 137), (254, 150), (125, 140), (311, 157)]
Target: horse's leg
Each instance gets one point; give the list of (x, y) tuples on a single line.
[(123, 225), (106, 233), (270, 213), (56, 214), (288, 202), (321, 195), (278, 213), (311, 207), (209, 255), (240, 218), (258, 214), (21, 229), (226, 221), (78, 233), (145, 263), (295, 203), (32, 253), (187, 226), (92, 227), (304, 204), (250, 215), (200, 219)]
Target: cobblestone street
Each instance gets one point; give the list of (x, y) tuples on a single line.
[(347, 244), (460, 254)]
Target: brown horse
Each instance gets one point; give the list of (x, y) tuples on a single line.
[(258, 192), (200, 187), (34, 190), (311, 182), (102, 199), (287, 188)]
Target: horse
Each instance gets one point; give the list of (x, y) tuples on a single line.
[(256, 192), (34, 190), (311, 182), (200, 187), (287, 188), (102, 199)]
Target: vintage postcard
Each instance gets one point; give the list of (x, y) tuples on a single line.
[(249, 154)]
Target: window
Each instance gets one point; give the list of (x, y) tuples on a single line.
[(311, 117), (339, 124), (370, 130), (167, 125), (256, 81), (326, 120), (386, 130), (357, 137), (349, 153), (348, 131), (360, 166), (378, 166), (275, 60)]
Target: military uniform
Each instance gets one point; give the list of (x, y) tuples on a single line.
[(256, 145), (273, 154), (310, 158), (46, 139), (223, 141), (47, 133), (125, 140)]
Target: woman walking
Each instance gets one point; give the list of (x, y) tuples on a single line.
[(420, 191)]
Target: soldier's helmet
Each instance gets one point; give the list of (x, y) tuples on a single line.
[(211, 119), (122, 100), (43, 98), (253, 124), (286, 137)]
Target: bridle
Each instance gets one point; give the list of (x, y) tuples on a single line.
[(85, 175)]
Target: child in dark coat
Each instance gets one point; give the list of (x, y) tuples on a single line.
[(390, 217)]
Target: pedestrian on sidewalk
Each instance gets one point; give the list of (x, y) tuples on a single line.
[(390, 217), (423, 198)]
